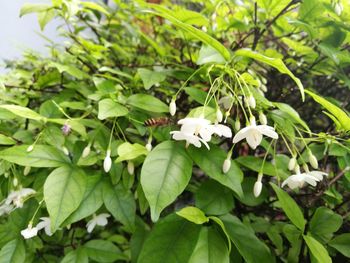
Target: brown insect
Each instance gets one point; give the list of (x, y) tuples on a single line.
[(156, 122)]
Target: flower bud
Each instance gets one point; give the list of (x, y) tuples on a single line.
[(86, 151), (262, 118), (66, 129), (338, 8), (219, 115), (297, 169), (15, 182), (131, 167), (292, 163), (107, 163), (149, 146), (257, 188), (252, 120), (30, 148), (65, 150), (251, 102), (237, 125), (306, 168), (26, 170), (226, 165), (172, 107), (227, 114), (313, 161)]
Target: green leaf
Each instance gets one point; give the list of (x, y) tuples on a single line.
[(4, 140), (147, 102), (196, 33), (172, 238), (76, 125), (45, 17), (248, 245), (120, 202), (193, 214), (214, 198), (292, 113), (210, 162), (95, 7), (317, 250), (13, 252), (324, 223), (277, 63), (109, 108), (290, 207), (76, 256), (311, 10), (69, 69), (40, 156), (91, 202), (128, 151), (104, 251), (23, 112), (207, 54), (342, 244), (64, 190), (210, 248), (165, 173), (150, 78), (33, 8), (338, 114)]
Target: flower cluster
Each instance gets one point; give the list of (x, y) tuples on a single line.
[(31, 231), (15, 200)]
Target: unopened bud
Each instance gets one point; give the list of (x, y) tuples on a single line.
[(226, 165), (107, 163), (252, 120), (172, 107), (15, 182), (131, 167), (297, 169), (219, 115), (237, 125), (313, 161), (338, 8), (306, 168), (66, 129), (149, 147), (251, 102), (292, 163), (227, 114), (86, 151), (65, 150), (30, 148), (262, 118), (258, 185), (26, 170)]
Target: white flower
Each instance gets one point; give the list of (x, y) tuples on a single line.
[(131, 167), (292, 163), (86, 151), (258, 185), (189, 138), (99, 220), (46, 224), (5, 209), (298, 180), (107, 163), (172, 107), (253, 134), (196, 126), (226, 165), (18, 197), (29, 232)]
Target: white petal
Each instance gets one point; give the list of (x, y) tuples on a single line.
[(101, 220), (222, 130), (91, 225), (205, 134), (29, 232), (267, 131), (242, 134), (254, 139), (310, 180), (318, 174)]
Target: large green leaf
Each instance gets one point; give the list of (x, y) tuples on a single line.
[(128, 151), (147, 102), (211, 162), (165, 174), (4, 140), (109, 108), (64, 190), (196, 33), (210, 248), (40, 156), (120, 202), (33, 8), (290, 207), (248, 245), (277, 63), (324, 223), (317, 250), (342, 244), (150, 78), (207, 54), (172, 239), (76, 256), (13, 252), (292, 113), (103, 251), (214, 198), (91, 202), (337, 113), (23, 112)]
